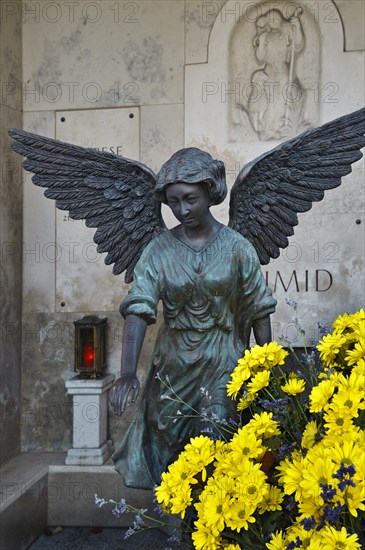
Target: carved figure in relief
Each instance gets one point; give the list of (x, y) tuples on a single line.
[(277, 98), (206, 275)]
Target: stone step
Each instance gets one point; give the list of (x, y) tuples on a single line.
[(38, 489)]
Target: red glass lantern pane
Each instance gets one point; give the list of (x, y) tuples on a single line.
[(88, 355)]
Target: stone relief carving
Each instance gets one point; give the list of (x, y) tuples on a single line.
[(279, 88)]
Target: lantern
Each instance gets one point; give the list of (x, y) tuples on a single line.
[(90, 352)]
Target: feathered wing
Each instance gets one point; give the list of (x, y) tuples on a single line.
[(112, 193), (270, 191)]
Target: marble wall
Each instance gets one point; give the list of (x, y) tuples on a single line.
[(323, 266), (156, 59), (113, 59), (11, 233)]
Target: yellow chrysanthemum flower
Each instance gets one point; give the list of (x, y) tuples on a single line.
[(253, 487), (269, 355), (247, 361), (199, 453), (272, 500), (359, 329), (320, 395), (238, 378), (348, 402), (234, 386), (263, 425), (309, 435), (216, 506), (235, 469), (259, 381), (294, 386), (353, 356), (354, 497), (245, 401), (180, 502), (309, 539), (328, 469), (221, 449), (163, 491), (359, 437), (331, 539), (359, 368), (205, 538), (336, 377), (337, 422), (308, 508), (343, 322), (358, 316), (240, 515), (181, 471), (317, 473), (277, 542), (318, 451), (330, 346), (245, 445), (355, 381), (291, 474), (333, 436)]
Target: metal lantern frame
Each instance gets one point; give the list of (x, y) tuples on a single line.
[(90, 346)]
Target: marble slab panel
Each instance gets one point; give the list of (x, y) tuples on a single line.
[(162, 134), (11, 51), (102, 54), (199, 18), (353, 16), (83, 281), (322, 269), (39, 229)]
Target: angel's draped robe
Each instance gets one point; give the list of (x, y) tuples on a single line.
[(210, 300)]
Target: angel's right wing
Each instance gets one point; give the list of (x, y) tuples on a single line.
[(112, 193)]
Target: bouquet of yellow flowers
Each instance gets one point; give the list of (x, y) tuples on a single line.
[(292, 475)]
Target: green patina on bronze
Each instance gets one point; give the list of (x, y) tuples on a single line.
[(211, 298), (207, 275)]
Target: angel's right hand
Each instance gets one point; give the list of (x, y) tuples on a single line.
[(120, 391)]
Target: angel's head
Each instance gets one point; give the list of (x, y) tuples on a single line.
[(193, 166)]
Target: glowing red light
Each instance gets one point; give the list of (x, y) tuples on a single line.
[(89, 356)]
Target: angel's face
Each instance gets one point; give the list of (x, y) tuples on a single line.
[(189, 203)]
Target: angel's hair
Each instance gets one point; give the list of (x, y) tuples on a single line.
[(192, 165)]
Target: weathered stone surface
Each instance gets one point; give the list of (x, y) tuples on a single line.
[(11, 235), (48, 362), (103, 54), (323, 252)]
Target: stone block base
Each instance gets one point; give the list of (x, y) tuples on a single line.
[(92, 457)]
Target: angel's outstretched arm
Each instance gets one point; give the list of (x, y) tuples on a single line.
[(133, 336)]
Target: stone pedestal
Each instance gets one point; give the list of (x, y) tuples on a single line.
[(90, 420)]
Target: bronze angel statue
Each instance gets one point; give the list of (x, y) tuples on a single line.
[(206, 274)]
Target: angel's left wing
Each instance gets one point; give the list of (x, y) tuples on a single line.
[(112, 193), (270, 191)]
